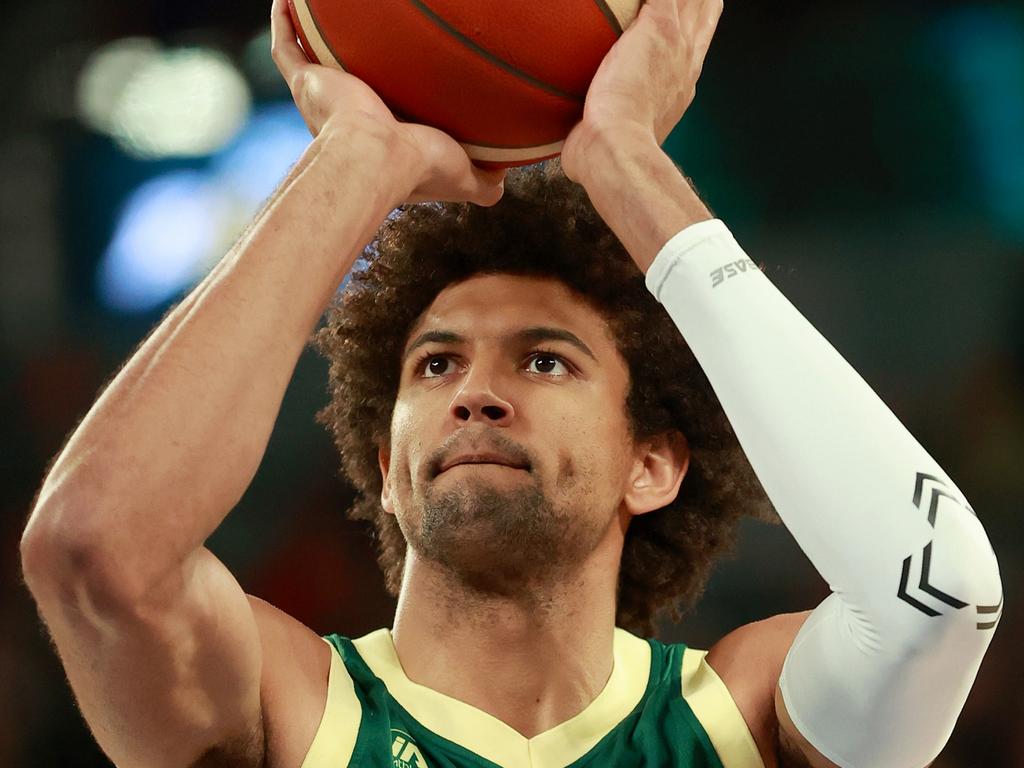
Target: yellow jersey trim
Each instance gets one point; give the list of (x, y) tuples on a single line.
[(714, 707), (492, 739), (336, 735)]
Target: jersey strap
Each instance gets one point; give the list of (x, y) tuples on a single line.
[(336, 735), (663, 705), (718, 714)]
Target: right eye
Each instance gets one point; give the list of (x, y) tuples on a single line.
[(434, 366)]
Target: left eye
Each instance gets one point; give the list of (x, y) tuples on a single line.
[(546, 363), (428, 370)]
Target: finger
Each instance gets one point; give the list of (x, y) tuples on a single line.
[(489, 177), (284, 47), (483, 186), (689, 11), (490, 185), (711, 13)]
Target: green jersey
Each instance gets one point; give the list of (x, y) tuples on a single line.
[(662, 706)]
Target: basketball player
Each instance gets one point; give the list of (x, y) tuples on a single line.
[(515, 471)]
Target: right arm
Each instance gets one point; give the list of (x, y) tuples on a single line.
[(160, 644), (158, 640)]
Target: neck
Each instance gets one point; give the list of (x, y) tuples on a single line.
[(532, 660)]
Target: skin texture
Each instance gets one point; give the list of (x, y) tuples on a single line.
[(494, 578), (505, 529), (517, 561), (156, 634)]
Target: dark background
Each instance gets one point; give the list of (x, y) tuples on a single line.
[(870, 154)]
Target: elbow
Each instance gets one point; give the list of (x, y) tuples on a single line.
[(975, 572), (62, 564), (950, 591), (47, 553), (962, 585)]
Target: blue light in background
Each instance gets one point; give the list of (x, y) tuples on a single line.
[(176, 226), (164, 233), (260, 156)]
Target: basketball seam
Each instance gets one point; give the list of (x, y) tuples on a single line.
[(485, 145), (519, 154), (613, 20), (492, 58), (324, 38)]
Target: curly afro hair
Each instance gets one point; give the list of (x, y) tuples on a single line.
[(544, 226)]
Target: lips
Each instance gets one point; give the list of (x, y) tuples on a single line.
[(482, 458)]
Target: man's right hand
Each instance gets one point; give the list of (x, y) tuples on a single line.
[(171, 663), (333, 101)]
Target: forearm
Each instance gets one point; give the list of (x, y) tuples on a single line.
[(172, 444), (882, 669), (639, 192), (824, 445)]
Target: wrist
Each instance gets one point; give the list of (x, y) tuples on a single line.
[(393, 160), (591, 145), (637, 189)]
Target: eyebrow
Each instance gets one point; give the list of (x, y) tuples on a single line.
[(532, 335)]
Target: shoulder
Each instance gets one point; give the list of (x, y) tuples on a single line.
[(296, 668), (749, 662)]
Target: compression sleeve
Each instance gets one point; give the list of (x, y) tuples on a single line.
[(879, 673)]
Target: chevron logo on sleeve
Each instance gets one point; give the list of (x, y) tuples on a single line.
[(929, 491)]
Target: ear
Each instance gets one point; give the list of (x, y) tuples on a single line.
[(384, 460), (658, 471)]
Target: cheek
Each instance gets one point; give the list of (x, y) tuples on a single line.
[(404, 446), (609, 449), (596, 458)]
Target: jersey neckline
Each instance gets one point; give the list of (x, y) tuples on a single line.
[(493, 739)]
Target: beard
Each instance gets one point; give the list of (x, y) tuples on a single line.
[(507, 541)]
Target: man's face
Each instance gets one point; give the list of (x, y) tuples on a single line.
[(510, 447)]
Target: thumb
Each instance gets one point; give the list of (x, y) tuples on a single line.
[(490, 185)]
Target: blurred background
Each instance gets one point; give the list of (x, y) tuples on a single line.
[(870, 154)]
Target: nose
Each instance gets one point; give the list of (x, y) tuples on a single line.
[(476, 401)]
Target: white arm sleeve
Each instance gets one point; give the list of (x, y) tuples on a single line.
[(881, 670)]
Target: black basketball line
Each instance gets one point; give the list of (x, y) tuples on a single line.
[(445, 26), (324, 38), (612, 18)]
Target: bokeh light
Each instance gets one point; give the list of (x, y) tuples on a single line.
[(176, 226), (184, 102), (166, 231)]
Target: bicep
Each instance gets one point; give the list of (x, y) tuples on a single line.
[(794, 750), (173, 680), (749, 661)]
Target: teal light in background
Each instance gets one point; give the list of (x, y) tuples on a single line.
[(983, 47)]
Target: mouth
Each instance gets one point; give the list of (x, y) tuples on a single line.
[(482, 464), (482, 457)]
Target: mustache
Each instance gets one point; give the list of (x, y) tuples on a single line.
[(488, 441)]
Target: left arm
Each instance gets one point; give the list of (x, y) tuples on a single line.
[(879, 673), (881, 669)]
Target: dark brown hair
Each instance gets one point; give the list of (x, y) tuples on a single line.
[(544, 226)]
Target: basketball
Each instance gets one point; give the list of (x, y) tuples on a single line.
[(506, 80)]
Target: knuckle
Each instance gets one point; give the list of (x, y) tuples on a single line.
[(666, 24), (299, 84)]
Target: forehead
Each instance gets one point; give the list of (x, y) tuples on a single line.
[(489, 305)]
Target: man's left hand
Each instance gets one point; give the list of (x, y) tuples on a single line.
[(649, 77)]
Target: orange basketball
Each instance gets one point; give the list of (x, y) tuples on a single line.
[(505, 79)]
